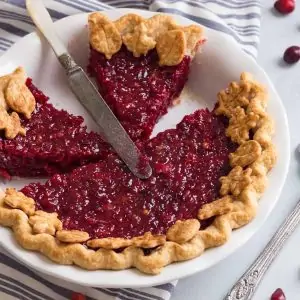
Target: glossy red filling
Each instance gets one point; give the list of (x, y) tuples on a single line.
[(139, 91), (99, 195), (55, 142), (106, 200)]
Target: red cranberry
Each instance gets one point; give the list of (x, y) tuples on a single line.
[(292, 54), (78, 296), (285, 6), (278, 295)]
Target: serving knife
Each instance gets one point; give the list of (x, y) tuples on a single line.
[(88, 95)]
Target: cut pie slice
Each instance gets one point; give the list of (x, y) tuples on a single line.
[(143, 67), (52, 141)]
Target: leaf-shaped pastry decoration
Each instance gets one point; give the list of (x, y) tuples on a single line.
[(236, 181), (139, 42), (158, 25), (240, 124), (72, 236), (127, 23), (142, 35), (245, 154), (104, 35), (3, 84), (183, 231), (16, 199), (19, 98), (4, 80), (43, 222), (171, 47), (193, 34), (11, 124)]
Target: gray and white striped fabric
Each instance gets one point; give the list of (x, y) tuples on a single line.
[(239, 19)]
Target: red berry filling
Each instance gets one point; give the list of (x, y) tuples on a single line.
[(106, 200), (100, 195), (55, 141), (139, 91)]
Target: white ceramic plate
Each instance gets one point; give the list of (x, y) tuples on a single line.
[(220, 62)]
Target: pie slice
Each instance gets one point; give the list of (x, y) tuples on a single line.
[(208, 173), (143, 67), (50, 141)]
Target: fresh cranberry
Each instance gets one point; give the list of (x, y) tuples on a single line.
[(278, 295), (292, 54), (285, 6), (78, 296)]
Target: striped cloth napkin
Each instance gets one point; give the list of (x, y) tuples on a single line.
[(239, 19)]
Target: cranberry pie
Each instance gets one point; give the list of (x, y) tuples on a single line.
[(208, 173)]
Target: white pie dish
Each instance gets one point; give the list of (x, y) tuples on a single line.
[(222, 61)]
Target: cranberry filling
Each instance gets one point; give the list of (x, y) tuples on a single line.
[(100, 195), (55, 141), (139, 91), (106, 200)]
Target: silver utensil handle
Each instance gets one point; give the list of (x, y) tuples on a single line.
[(246, 286), (43, 21)]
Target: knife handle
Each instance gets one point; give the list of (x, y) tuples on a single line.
[(67, 61), (43, 21)]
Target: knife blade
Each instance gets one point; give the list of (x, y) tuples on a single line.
[(111, 129), (88, 95)]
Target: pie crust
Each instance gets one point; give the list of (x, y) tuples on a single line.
[(244, 104), (172, 42), (16, 98)]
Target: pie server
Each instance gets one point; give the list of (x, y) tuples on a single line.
[(89, 96)]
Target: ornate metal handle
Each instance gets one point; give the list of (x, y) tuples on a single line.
[(246, 286), (67, 61)]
